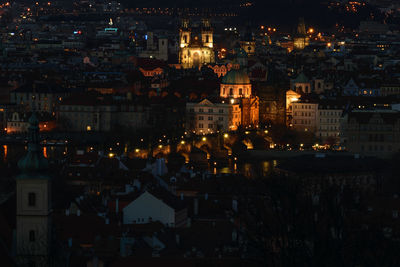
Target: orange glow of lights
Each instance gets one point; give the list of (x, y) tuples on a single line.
[(45, 152), (5, 147)]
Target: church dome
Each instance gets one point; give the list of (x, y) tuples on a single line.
[(236, 76)]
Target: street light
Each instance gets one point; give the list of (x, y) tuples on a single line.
[(226, 135)]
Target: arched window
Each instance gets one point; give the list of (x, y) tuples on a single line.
[(185, 39), (240, 91), (223, 91), (31, 199), (32, 236), (207, 38), (231, 91)]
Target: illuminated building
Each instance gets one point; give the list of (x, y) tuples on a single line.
[(301, 40), (196, 45), (220, 70), (304, 116), (208, 116), (236, 87), (291, 97)]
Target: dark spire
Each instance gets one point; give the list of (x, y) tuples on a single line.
[(301, 27), (33, 162)]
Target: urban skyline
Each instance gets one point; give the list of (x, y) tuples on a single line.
[(208, 133)]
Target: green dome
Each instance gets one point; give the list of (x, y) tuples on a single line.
[(236, 76), (33, 164)]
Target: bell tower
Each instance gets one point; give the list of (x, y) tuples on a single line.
[(207, 33), (184, 33), (33, 203), (247, 42), (301, 40)]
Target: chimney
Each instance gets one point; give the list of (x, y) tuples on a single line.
[(196, 206)]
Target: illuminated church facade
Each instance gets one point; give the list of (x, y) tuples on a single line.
[(236, 87), (196, 45)]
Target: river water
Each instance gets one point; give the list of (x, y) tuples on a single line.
[(10, 154)]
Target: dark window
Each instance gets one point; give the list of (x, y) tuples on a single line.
[(32, 236), (31, 199)]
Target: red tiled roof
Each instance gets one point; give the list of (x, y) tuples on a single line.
[(150, 64)]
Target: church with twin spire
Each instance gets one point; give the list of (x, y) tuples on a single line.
[(196, 44)]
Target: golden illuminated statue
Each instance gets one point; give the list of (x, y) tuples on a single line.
[(196, 45)]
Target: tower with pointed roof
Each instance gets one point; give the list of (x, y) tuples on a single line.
[(207, 33), (247, 41), (33, 202), (184, 33), (301, 40), (196, 44)]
